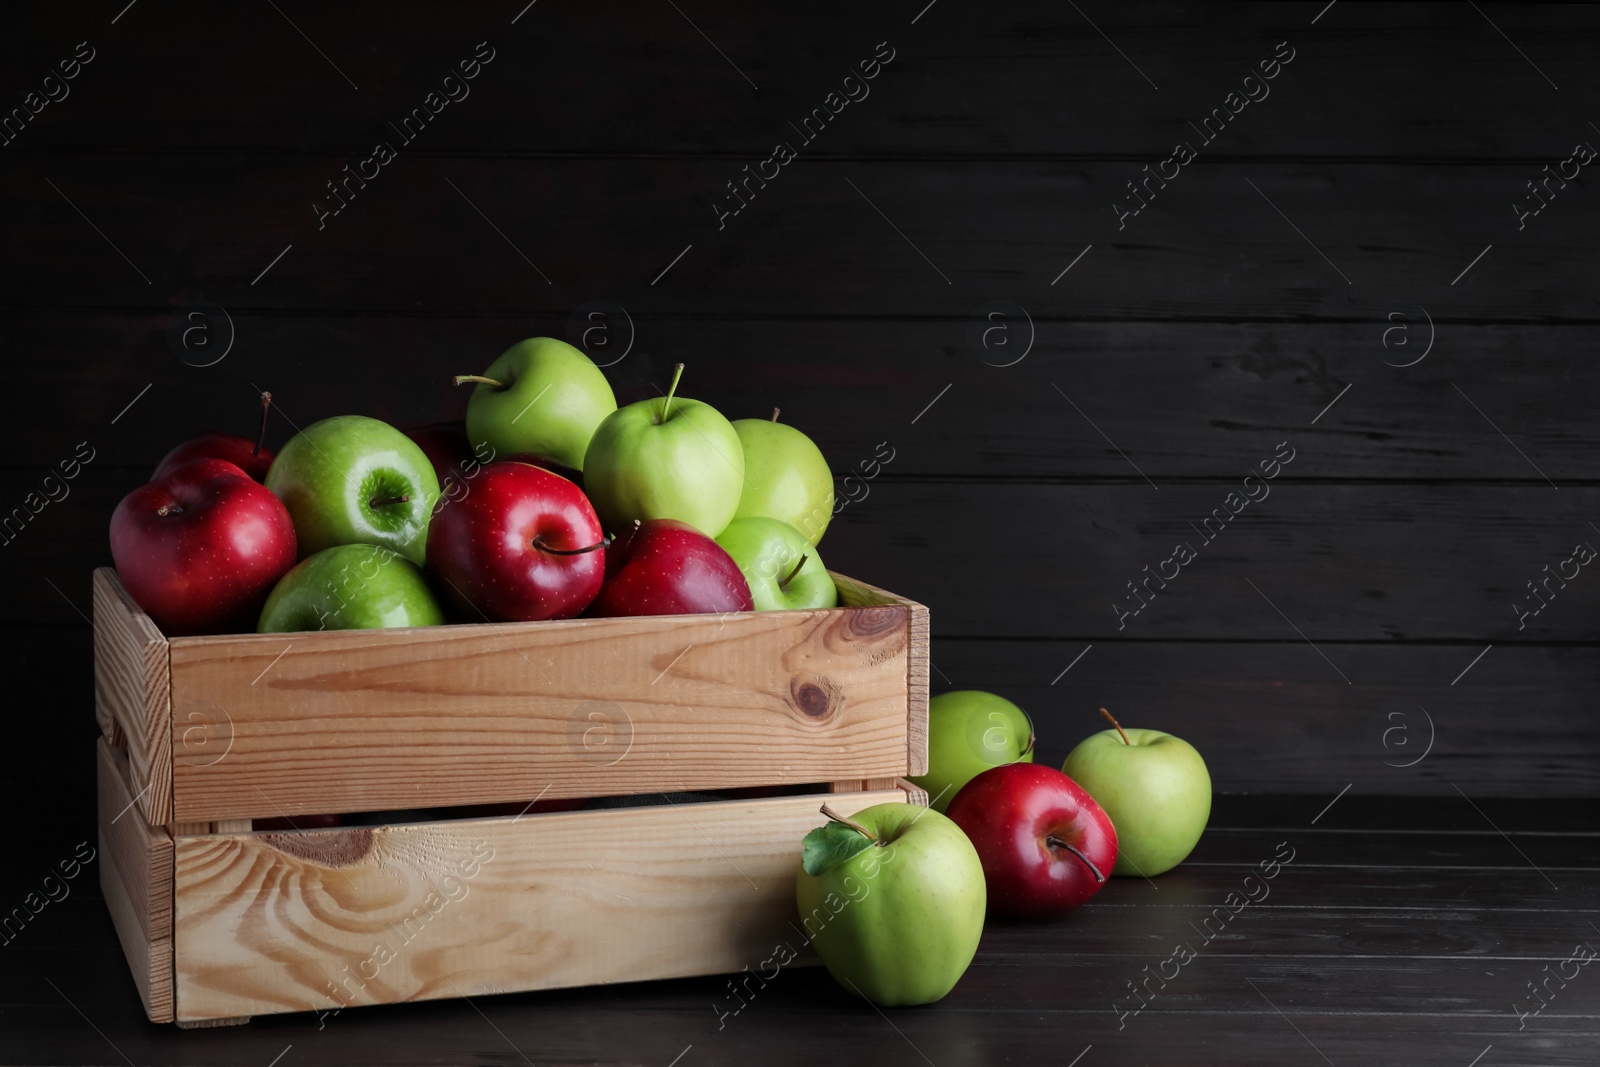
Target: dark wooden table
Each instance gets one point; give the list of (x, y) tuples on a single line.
[(1401, 931)]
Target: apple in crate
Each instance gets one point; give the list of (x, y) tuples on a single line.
[(782, 567), (665, 458), (542, 396), (200, 547), (350, 587), (249, 456), (970, 731), (523, 545), (353, 480), (1154, 786), (1045, 845), (785, 477), (665, 567), (893, 900)]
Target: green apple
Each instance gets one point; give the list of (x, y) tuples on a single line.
[(781, 567), (350, 587), (542, 396), (893, 900), (1155, 788), (352, 480), (785, 477), (970, 731), (665, 458)]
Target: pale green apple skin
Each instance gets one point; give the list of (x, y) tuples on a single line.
[(689, 468), (766, 550), (785, 477), (350, 587), (553, 399), (329, 472), (970, 731), (1156, 791), (904, 919)]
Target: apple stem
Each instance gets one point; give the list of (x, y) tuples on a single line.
[(463, 379), (774, 414), (169, 509), (539, 543), (385, 501), (261, 438), (1032, 737), (785, 583), (1055, 842), (1117, 724), (677, 372), (857, 827)]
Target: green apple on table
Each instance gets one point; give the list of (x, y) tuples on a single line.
[(785, 477), (893, 900), (665, 458), (541, 397), (355, 480), (781, 567), (970, 731), (1155, 788), (350, 587)]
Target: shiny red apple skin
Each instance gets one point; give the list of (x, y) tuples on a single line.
[(569, 473), (482, 548), (214, 444), (667, 567), (1012, 814), (208, 563)]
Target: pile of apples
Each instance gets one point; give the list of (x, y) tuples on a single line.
[(549, 502), (895, 898)]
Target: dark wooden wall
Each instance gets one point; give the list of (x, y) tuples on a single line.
[(1317, 243)]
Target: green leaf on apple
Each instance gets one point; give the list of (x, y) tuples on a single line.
[(828, 846)]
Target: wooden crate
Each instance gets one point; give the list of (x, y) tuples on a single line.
[(203, 735)]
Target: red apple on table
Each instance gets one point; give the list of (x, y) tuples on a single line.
[(523, 545), (667, 567), (249, 456), (1045, 845), (200, 547)]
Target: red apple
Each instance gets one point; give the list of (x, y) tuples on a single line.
[(249, 456), (1045, 845), (569, 473), (200, 547), (667, 567), (523, 545)]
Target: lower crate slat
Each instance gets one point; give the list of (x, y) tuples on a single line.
[(136, 881), (318, 920)]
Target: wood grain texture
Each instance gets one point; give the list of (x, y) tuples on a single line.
[(1275, 717), (1182, 399), (373, 721), (1208, 247), (1031, 78), (132, 689), (318, 920), (857, 593), (136, 865)]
